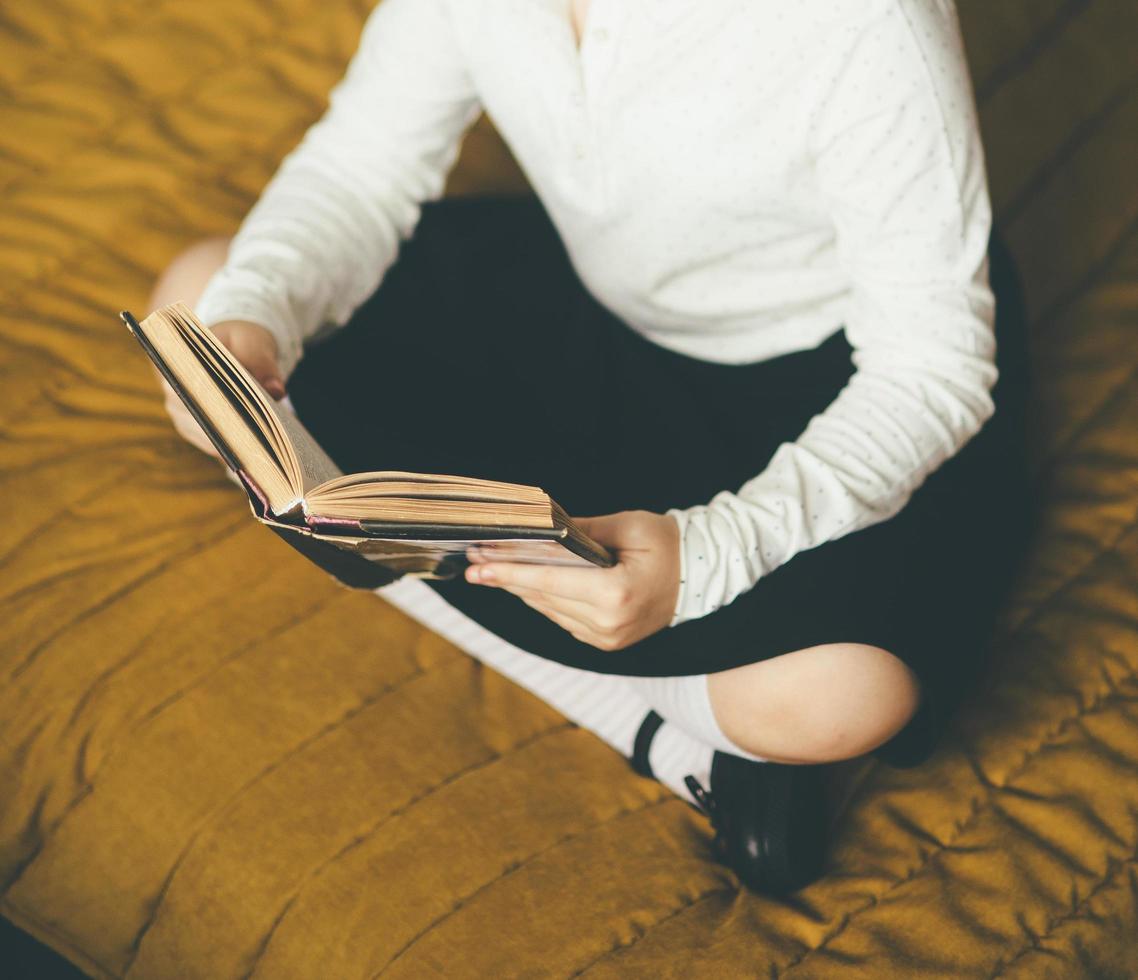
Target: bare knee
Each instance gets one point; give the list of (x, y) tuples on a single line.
[(821, 704), (188, 272)]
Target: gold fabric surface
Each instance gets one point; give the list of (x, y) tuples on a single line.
[(216, 762)]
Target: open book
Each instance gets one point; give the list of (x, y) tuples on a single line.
[(367, 529)]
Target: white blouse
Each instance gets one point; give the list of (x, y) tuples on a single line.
[(734, 179)]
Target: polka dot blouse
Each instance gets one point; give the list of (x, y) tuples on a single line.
[(735, 179)]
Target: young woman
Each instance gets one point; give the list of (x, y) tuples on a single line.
[(745, 331)]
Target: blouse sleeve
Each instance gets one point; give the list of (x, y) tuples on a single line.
[(329, 223), (898, 159)]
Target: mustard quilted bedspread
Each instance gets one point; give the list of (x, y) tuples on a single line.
[(215, 762)]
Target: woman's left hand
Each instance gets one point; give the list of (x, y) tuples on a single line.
[(608, 608)]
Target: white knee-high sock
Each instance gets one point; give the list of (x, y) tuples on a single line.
[(611, 706), (686, 701)]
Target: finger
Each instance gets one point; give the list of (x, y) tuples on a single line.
[(178, 413), (575, 627), (198, 441), (184, 423), (193, 434), (182, 419), (260, 363), (586, 584), (619, 532), (603, 529), (187, 427), (577, 630), (172, 402), (169, 395), (271, 382), (585, 613)]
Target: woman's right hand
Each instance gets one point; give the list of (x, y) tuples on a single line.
[(251, 344)]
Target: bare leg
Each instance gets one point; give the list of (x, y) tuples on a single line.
[(821, 704), (187, 274)]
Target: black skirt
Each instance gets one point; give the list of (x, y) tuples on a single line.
[(482, 354)]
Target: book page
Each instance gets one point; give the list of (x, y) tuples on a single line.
[(227, 422), (316, 466)]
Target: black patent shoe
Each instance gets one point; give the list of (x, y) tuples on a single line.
[(770, 820)]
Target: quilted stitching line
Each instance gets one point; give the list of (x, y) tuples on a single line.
[(105, 603), (1041, 607), (113, 753), (214, 170), (64, 260), (694, 902), (1042, 324), (1019, 62), (175, 696), (141, 99), (138, 13), (371, 831), (61, 260), (465, 900), (54, 398), (978, 806), (98, 454), (1078, 575), (1053, 456), (18, 319), (28, 408), (1075, 140), (218, 813), (71, 259), (1046, 328), (77, 233), (30, 533), (1082, 907)]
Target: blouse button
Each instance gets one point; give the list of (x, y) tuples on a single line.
[(601, 34)]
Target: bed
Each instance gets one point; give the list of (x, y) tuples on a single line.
[(216, 762)]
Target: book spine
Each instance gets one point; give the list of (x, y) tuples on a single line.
[(351, 569), (333, 525), (192, 407), (257, 499)]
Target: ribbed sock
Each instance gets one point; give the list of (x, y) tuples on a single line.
[(686, 701), (611, 706)]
